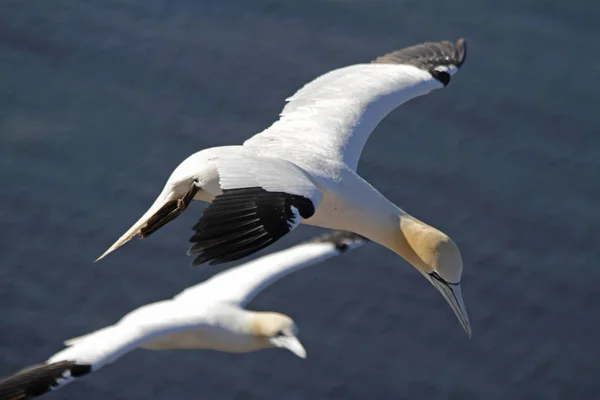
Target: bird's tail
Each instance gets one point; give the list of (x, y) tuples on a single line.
[(38, 379)]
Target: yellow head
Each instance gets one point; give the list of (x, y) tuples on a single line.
[(437, 257), (276, 330)]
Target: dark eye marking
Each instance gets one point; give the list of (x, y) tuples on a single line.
[(438, 278), (441, 76)]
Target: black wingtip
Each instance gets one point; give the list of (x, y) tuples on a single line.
[(343, 240), (461, 51), (36, 380), (428, 55)]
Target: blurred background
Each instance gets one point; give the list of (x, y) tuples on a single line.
[(99, 101)]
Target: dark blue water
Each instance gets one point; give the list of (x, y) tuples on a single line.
[(99, 101)]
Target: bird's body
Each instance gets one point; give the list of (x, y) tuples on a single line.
[(205, 324), (348, 201), (311, 152), (302, 170), (210, 315)]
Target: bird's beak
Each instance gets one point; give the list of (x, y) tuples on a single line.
[(291, 343), (155, 212), (453, 295), (165, 209)]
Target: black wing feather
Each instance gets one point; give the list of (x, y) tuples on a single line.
[(241, 222), (428, 56), (36, 380)]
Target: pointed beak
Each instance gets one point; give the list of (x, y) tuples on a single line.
[(291, 343), (122, 240), (453, 295), (158, 205)]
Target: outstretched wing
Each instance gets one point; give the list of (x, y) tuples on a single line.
[(333, 116), (241, 284), (262, 200)]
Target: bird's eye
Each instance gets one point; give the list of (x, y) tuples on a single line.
[(280, 333)]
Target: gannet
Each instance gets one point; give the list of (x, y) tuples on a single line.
[(302, 170), (209, 315)]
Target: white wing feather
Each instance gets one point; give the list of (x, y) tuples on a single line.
[(334, 115), (241, 284), (272, 174)]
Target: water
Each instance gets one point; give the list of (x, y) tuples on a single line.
[(99, 101)]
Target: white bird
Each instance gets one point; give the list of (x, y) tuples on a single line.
[(209, 315), (302, 169)]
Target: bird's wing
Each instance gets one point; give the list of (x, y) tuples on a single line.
[(90, 352), (333, 116), (262, 200), (241, 284), (36, 380)]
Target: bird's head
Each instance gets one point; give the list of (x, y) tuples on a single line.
[(277, 330), (438, 258)]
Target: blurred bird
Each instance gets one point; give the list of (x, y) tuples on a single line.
[(209, 315), (302, 169)]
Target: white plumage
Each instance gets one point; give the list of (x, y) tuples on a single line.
[(302, 169), (209, 315), (332, 117), (269, 173)]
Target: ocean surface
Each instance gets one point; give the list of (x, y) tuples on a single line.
[(100, 100)]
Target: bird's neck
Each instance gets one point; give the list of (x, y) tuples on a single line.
[(358, 207), (400, 232)]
